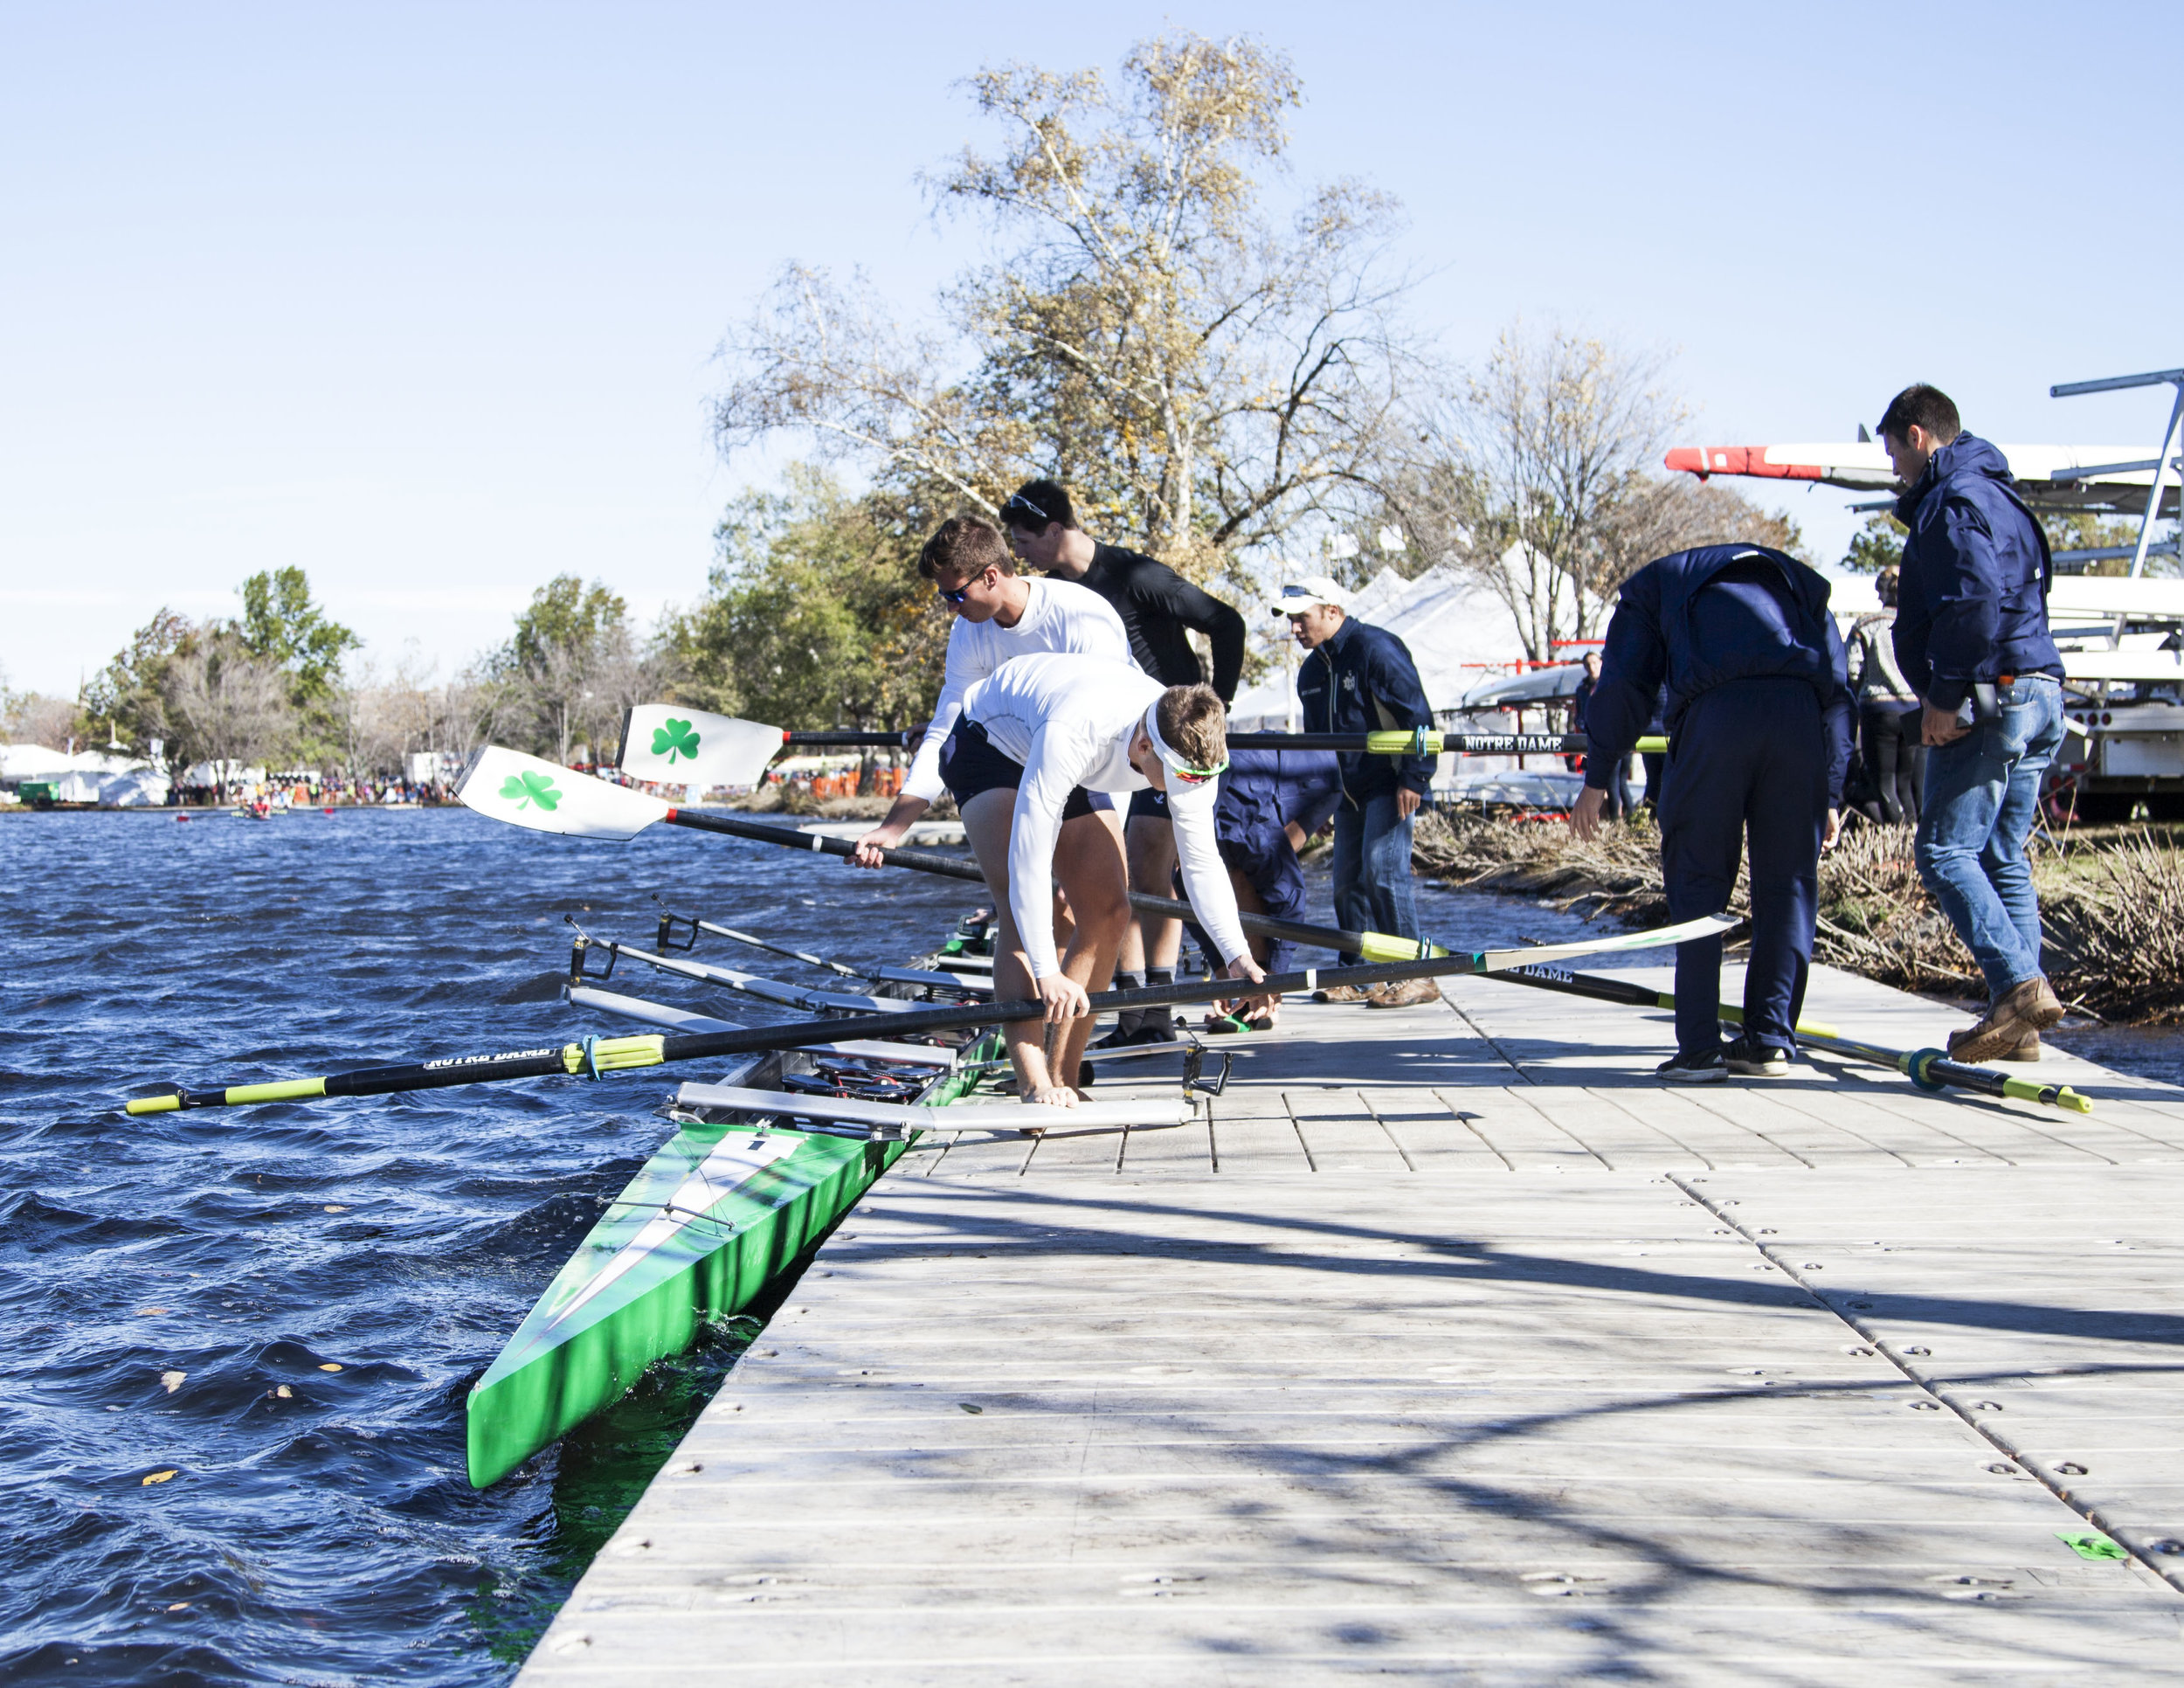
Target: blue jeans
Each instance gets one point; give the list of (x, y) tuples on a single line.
[(1372, 870), (1982, 797)]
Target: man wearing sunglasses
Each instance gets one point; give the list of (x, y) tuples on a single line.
[(1158, 609), (1034, 739), (999, 615)]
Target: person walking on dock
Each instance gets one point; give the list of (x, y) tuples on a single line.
[(1758, 717), (1972, 637), (1358, 678), (1034, 740), (999, 615), (1887, 711), (1158, 607)]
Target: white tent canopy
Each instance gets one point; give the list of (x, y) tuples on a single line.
[(1454, 628)]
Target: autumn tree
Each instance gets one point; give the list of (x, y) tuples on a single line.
[(1539, 477), (1202, 371), (816, 616), (571, 670)]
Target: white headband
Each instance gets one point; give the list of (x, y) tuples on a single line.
[(1172, 758)]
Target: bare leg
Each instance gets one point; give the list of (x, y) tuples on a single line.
[(1151, 941), (986, 824), (1089, 861)]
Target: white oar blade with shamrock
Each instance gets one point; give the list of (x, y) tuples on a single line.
[(690, 747), (526, 792)]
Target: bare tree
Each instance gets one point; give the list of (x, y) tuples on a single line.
[(1534, 473), (1202, 375), (233, 708)]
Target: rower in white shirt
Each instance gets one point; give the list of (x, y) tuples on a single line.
[(999, 615), (1034, 740)]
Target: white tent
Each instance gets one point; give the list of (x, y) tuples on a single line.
[(1455, 629)]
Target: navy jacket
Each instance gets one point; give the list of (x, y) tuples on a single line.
[(1701, 619), (1973, 602), (1363, 680)]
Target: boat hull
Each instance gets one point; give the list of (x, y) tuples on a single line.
[(714, 1217)]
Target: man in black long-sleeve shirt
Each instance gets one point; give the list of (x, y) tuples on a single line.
[(1158, 607)]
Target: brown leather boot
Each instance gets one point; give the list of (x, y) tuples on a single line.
[(1338, 993), (2027, 1049), (1406, 994), (2030, 1006)]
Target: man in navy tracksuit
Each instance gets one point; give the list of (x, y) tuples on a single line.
[(1972, 637), (1358, 679), (1758, 720), (1270, 802)]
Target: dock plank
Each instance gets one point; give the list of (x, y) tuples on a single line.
[(1450, 1351)]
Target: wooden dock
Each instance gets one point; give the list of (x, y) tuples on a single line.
[(1451, 1347)]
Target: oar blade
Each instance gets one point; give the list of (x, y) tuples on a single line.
[(526, 792), (690, 747), (1495, 961)]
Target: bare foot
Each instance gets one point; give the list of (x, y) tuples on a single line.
[(1051, 1096)]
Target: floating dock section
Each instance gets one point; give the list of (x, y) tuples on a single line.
[(1448, 1346)]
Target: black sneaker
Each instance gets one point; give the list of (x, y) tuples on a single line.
[(1680, 1068), (1749, 1057), (1157, 1027), (1123, 1035)]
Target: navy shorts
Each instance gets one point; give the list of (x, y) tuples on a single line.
[(1149, 805), (971, 766)]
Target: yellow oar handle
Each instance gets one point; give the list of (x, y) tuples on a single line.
[(1420, 740), (292, 1090), (1651, 745), (2057, 1095), (1382, 947), (590, 1058), (614, 1054)]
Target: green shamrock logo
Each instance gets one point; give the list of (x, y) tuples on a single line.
[(528, 787), (674, 738)]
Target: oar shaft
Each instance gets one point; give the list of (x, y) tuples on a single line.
[(1425, 742), (1928, 1069), (601, 1056), (848, 738), (1374, 945)]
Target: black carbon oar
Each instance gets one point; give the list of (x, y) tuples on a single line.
[(526, 791), (1424, 741), (1930, 1069), (595, 1057), (680, 746)]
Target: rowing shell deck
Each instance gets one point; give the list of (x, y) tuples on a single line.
[(1453, 1349)]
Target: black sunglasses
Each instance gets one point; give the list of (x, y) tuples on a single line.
[(1017, 501), (962, 594)]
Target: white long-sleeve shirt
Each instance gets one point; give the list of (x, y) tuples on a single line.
[(1069, 719), (1061, 616)]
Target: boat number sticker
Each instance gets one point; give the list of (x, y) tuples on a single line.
[(675, 738), (527, 788)]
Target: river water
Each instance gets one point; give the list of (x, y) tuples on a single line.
[(239, 1342)]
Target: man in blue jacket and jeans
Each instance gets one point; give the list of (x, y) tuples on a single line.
[(1972, 637), (1758, 719), (1359, 679)]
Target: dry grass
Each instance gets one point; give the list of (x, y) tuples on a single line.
[(2111, 900)]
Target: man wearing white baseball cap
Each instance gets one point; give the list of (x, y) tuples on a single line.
[(1358, 679)]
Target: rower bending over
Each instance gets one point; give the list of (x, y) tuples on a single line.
[(1045, 730)]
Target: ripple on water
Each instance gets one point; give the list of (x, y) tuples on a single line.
[(328, 1534)]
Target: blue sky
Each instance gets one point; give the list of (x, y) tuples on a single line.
[(425, 299)]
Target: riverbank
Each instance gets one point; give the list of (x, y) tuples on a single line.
[(2111, 900)]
